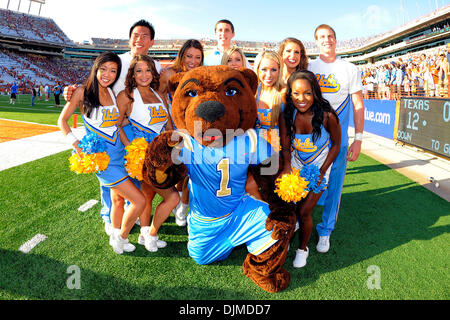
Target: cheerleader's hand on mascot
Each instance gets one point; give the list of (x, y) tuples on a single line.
[(163, 172)]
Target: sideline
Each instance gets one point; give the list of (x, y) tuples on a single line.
[(16, 152), (411, 162)]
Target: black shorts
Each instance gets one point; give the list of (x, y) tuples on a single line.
[(13, 96)]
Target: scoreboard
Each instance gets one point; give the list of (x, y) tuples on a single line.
[(425, 123)]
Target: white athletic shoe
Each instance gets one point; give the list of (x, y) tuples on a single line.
[(108, 228), (324, 244), (121, 245), (300, 258), (180, 214), (151, 243)]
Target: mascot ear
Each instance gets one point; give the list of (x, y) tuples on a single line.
[(174, 81), (251, 78)]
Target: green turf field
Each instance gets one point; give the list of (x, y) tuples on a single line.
[(391, 242), (43, 112)]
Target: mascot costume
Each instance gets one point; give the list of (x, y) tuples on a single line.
[(214, 110)]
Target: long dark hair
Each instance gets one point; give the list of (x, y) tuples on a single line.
[(130, 82), (319, 107), (91, 98)]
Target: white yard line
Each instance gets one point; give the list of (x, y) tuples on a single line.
[(17, 152), (85, 207), (21, 121), (33, 242)]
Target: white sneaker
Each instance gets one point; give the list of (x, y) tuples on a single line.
[(113, 235), (180, 214), (324, 244), (300, 258), (151, 243), (121, 245), (108, 228)]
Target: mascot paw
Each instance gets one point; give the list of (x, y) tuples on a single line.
[(159, 169), (159, 151), (281, 223)]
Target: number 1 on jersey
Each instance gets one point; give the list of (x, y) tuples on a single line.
[(224, 167)]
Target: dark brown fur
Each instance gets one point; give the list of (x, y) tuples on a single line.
[(239, 112)]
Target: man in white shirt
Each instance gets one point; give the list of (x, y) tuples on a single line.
[(224, 31), (340, 83), (141, 39)]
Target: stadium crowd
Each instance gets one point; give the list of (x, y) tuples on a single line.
[(416, 73), (423, 73), (30, 27), (30, 70)]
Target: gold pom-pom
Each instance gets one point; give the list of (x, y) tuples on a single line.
[(134, 159), (89, 163), (291, 187)]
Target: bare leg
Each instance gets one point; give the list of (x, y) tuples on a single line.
[(305, 210), (170, 200), (149, 194), (126, 190)]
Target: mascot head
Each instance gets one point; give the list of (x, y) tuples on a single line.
[(211, 102)]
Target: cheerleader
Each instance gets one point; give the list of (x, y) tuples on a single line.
[(142, 107), (100, 114), (314, 132)]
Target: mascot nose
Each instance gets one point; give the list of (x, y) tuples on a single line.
[(210, 110)]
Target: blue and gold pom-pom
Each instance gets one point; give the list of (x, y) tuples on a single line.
[(93, 157), (291, 187), (311, 174), (91, 143), (295, 186)]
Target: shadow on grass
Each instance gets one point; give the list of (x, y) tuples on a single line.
[(33, 276), (379, 212)]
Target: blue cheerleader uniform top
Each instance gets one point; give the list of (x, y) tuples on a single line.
[(103, 122)]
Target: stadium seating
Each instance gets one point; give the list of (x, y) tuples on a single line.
[(31, 27), (33, 70), (41, 69)]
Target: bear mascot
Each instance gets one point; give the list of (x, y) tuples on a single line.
[(214, 111)]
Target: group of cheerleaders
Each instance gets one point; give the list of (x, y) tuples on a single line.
[(290, 107)]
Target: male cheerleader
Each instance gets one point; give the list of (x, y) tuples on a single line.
[(340, 83)]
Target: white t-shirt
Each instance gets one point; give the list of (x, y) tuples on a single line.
[(338, 80), (126, 60)]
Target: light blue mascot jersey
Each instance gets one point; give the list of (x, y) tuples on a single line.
[(218, 175)]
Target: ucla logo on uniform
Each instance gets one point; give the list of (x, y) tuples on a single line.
[(328, 84), (158, 114), (264, 119), (109, 117), (306, 146)]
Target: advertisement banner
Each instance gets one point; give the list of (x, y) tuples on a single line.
[(379, 117)]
